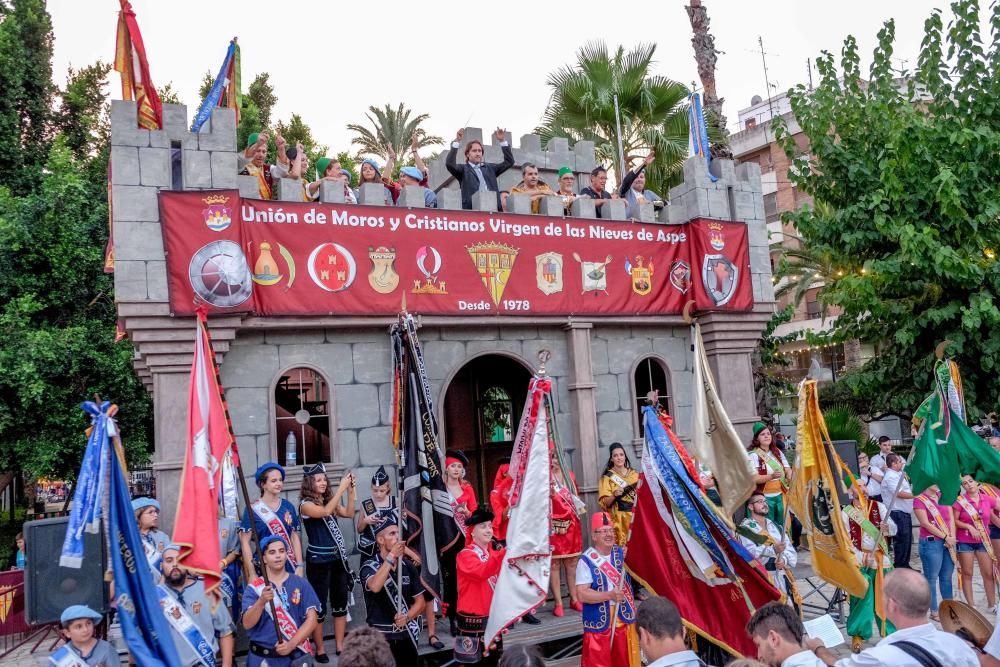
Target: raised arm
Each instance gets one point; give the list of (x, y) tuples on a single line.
[(450, 162), (508, 154)]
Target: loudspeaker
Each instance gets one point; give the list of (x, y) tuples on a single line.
[(848, 451), (48, 587)]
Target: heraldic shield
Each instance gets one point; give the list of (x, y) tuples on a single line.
[(720, 277), (642, 276), (494, 261), (549, 272)]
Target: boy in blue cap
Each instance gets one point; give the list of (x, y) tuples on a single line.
[(82, 647)]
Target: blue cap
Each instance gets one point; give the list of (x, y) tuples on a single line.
[(265, 541), (347, 175), (171, 547), (374, 165), (262, 470), (413, 173), (144, 502), (73, 612)]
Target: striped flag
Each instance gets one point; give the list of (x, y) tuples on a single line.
[(130, 62), (225, 91), (209, 441)]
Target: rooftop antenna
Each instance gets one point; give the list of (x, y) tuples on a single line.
[(767, 84), (809, 70)]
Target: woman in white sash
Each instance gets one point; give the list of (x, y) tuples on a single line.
[(272, 515), (327, 568), (295, 605)]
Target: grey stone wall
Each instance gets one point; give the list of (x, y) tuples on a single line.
[(356, 364)]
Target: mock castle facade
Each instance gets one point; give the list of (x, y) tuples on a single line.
[(601, 366)]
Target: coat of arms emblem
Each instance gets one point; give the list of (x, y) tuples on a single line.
[(218, 216), (332, 267), (429, 264), (720, 277), (549, 272), (594, 274), (680, 276), (642, 276), (383, 277), (265, 269), (494, 261)]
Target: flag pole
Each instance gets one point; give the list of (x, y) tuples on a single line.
[(404, 383), (239, 475)]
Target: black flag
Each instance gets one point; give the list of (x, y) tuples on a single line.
[(429, 525)]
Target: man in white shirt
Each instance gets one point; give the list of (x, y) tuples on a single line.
[(879, 463), (661, 635), (898, 497), (907, 603), (775, 553), (867, 477), (777, 631)]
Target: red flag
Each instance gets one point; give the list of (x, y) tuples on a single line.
[(209, 438), (130, 61), (672, 557)]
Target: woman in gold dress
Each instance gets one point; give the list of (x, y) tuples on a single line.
[(616, 490)]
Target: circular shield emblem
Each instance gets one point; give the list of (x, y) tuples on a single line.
[(220, 275), (332, 267)]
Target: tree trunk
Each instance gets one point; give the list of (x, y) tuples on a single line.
[(705, 55)]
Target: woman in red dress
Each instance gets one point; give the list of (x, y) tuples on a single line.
[(463, 503), (566, 537)]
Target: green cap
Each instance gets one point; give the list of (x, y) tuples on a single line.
[(758, 427), (321, 165), (252, 139), (564, 171)]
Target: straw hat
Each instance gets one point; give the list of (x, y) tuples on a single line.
[(959, 618)]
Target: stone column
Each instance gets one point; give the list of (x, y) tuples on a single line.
[(170, 394), (583, 402)]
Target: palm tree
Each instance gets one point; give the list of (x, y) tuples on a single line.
[(653, 109), (391, 127)]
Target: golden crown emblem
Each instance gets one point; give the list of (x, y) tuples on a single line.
[(216, 199)]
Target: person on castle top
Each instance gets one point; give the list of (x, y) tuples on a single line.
[(82, 647), (296, 607), (154, 540), (775, 553), (411, 176), (372, 173), (633, 189), (251, 162), (200, 624), (567, 181), (417, 174), (476, 175), (272, 515), (602, 585), (616, 490), (478, 566), (329, 169), (566, 535), (531, 185), (327, 567), (393, 609), (296, 169), (771, 470), (596, 191), (869, 524)]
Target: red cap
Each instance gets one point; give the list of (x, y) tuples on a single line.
[(600, 520)]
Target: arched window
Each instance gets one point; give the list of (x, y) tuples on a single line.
[(302, 416), (650, 375)]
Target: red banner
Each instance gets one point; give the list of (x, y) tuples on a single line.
[(12, 603), (284, 258)]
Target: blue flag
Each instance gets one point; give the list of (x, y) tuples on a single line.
[(143, 624), (85, 515), (215, 93), (698, 134)]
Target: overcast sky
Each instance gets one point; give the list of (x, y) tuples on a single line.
[(476, 63)]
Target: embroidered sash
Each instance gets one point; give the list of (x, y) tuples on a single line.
[(263, 187), (153, 555), (276, 526), (402, 607), (64, 657), (182, 623), (867, 527), (977, 520), (610, 570), (935, 514), (366, 538), (626, 501), (767, 463), (286, 622)]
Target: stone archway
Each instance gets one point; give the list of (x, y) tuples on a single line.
[(482, 409)]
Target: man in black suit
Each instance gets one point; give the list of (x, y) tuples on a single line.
[(476, 175)]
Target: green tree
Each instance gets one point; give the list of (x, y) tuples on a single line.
[(25, 92), (261, 93), (296, 131), (391, 127), (169, 95), (82, 114), (653, 110), (912, 176)]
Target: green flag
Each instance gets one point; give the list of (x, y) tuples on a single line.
[(945, 449)]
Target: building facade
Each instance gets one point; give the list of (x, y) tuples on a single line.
[(326, 379)]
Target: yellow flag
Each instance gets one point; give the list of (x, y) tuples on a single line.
[(813, 498)]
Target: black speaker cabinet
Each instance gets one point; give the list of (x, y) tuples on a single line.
[(50, 588)]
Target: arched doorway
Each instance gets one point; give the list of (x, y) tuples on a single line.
[(482, 410)]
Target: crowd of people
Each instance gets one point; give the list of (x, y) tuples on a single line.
[(306, 580), (474, 175)]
